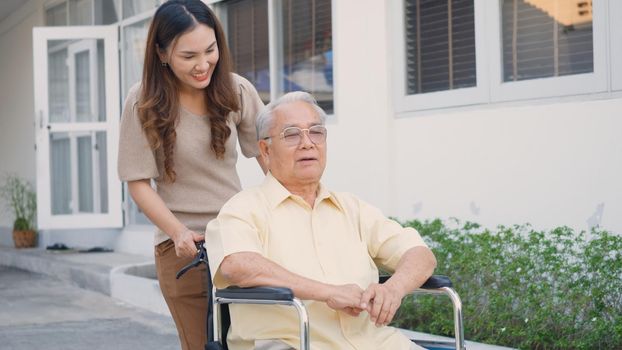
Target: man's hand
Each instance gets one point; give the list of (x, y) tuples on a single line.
[(346, 298), (185, 246), (381, 302)]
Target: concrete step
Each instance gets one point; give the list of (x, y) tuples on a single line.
[(127, 277)]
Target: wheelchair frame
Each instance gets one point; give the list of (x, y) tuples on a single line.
[(435, 285)]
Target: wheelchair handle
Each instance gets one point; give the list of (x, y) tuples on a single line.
[(200, 258)]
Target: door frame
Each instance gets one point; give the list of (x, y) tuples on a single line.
[(43, 127)]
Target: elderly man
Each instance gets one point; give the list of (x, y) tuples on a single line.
[(292, 231)]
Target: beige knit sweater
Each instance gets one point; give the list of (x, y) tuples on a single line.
[(204, 183)]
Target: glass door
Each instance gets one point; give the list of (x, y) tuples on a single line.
[(76, 72)]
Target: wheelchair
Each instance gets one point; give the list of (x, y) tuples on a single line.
[(218, 320)]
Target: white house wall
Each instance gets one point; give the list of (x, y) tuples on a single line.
[(545, 164), (17, 153)]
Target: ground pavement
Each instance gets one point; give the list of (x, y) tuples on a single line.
[(40, 312)]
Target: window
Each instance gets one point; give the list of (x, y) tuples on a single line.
[(134, 37), (80, 12), (134, 27), (57, 15), (546, 38), (83, 12), (438, 59), (547, 48), (440, 45), (247, 29), (463, 52), (283, 48), (137, 7)]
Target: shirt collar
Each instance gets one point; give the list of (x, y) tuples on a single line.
[(276, 193)]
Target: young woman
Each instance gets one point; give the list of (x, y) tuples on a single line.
[(179, 127)]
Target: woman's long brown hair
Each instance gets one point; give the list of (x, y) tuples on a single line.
[(158, 105)]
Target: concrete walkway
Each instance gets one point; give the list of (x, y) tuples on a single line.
[(41, 312), (126, 277)]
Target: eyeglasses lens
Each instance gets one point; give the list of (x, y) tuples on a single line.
[(293, 135)]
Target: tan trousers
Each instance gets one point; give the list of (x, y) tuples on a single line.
[(186, 297)]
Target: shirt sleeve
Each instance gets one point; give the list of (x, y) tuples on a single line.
[(250, 106), (386, 239), (136, 159), (235, 230)]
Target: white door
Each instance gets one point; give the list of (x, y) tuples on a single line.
[(76, 75)]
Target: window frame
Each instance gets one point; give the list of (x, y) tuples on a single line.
[(438, 99), (490, 88), (575, 84), (615, 44)]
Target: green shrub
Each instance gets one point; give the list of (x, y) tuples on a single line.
[(524, 288)]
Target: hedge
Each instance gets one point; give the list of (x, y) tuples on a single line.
[(524, 288)]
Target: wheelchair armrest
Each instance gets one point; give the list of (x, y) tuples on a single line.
[(256, 293), (437, 281), (434, 282)]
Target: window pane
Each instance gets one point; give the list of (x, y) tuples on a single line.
[(440, 45), (247, 35), (136, 7), (85, 174), (80, 12), (307, 49), (76, 81), (106, 11), (304, 46), (134, 39), (546, 38), (57, 15), (78, 171), (58, 82), (83, 87), (102, 167), (60, 173)]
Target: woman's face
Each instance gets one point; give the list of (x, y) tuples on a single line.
[(193, 57)]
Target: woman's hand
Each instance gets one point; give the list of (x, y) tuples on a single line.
[(185, 243)]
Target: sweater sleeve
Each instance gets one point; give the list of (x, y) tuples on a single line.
[(136, 159), (250, 107)]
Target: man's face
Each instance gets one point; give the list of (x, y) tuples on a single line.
[(294, 164)]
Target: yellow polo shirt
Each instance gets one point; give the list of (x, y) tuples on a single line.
[(340, 240)]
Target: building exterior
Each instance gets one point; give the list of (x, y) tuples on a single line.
[(498, 112)]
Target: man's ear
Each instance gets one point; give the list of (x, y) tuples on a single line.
[(264, 150)]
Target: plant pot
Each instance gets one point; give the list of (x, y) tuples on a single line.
[(24, 238)]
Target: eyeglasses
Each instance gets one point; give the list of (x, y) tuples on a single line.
[(293, 135)]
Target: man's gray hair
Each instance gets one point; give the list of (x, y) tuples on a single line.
[(265, 119)]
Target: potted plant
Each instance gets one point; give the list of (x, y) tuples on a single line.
[(22, 201)]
